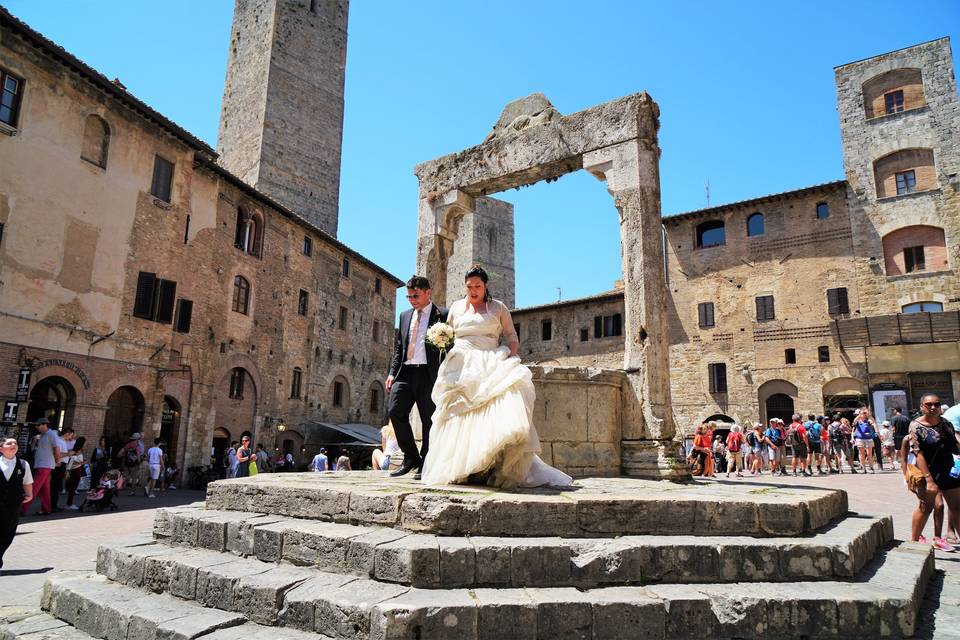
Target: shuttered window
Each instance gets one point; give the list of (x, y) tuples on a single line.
[(607, 326), (143, 302), (155, 298), (162, 179), (914, 259), (705, 313), (765, 309), (181, 322), (837, 301), (166, 298), (718, 377)]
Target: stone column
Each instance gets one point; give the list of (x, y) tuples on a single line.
[(436, 234), (631, 171)]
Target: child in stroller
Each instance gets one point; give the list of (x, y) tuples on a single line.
[(102, 496)]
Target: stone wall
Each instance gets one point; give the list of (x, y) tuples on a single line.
[(281, 125), (578, 419), (77, 236), (484, 237)]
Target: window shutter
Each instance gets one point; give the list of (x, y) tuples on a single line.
[(759, 302), (598, 327), (617, 324), (842, 303), (143, 302), (166, 297), (183, 316), (833, 301), (702, 314), (241, 223)]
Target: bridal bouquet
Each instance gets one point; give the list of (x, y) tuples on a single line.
[(441, 336)]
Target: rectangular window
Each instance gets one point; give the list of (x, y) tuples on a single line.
[(345, 268), (893, 101), (307, 246), (1, 234), (823, 211), (343, 319), (906, 182), (236, 383), (377, 285), (376, 331), (10, 95), (914, 259), (705, 314), (607, 326), (181, 322), (302, 302), (546, 330), (155, 298), (718, 377), (374, 400), (823, 354), (338, 394), (837, 301), (765, 309), (790, 356), (162, 179), (584, 335), (295, 384)]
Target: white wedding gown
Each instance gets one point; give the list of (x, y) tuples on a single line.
[(484, 402)]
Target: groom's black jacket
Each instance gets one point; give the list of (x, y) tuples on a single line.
[(402, 340)]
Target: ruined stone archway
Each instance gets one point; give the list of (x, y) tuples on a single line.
[(617, 143)]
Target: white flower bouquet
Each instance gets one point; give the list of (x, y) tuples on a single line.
[(441, 336)]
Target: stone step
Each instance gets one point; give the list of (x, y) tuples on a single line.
[(429, 561), (881, 602), (94, 606), (37, 625), (593, 507)]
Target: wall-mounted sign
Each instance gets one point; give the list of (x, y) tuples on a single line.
[(23, 385), (10, 411)]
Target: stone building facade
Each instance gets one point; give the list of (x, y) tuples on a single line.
[(146, 288), (824, 298)]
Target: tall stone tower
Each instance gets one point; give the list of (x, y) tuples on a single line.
[(281, 124), (485, 237)]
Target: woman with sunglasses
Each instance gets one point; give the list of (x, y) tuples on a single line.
[(935, 443)]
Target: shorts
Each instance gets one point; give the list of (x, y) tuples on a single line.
[(865, 444), (385, 465), (800, 451), (773, 454), (154, 471), (815, 447)]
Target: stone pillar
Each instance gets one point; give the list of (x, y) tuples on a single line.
[(631, 171), (438, 216)]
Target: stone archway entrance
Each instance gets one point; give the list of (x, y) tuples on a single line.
[(617, 143), (780, 405), (170, 425), (125, 409), (52, 398)]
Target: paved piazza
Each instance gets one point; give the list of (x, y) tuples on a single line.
[(69, 542)]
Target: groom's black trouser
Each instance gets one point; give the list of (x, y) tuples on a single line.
[(413, 386)]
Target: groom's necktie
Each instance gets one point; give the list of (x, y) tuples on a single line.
[(414, 331)]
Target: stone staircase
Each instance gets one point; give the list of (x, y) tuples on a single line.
[(359, 556)]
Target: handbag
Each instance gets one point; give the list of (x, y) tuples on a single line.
[(914, 477)]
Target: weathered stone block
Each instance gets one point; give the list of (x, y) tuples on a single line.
[(435, 614), (562, 613), (627, 613), (413, 559), (504, 614), (361, 550), (345, 612), (458, 562)]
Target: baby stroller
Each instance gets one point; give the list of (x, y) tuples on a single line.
[(102, 497)]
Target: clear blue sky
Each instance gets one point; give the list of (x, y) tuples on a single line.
[(745, 90)]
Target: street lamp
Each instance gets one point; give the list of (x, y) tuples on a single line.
[(280, 426)]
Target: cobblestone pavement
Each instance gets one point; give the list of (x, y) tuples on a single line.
[(69, 541)]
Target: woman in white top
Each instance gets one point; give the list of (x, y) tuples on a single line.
[(389, 448), (484, 398)]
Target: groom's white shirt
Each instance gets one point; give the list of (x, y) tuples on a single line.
[(420, 349)]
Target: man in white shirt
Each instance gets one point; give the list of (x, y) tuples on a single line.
[(320, 461), (16, 490), (65, 443), (154, 466)]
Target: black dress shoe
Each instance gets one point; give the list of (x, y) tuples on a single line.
[(418, 475), (403, 470)]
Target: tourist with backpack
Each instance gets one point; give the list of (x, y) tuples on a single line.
[(864, 432), (131, 455), (734, 451), (797, 436), (814, 432), (773, 438)]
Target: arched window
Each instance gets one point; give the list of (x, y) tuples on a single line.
[(241, 295), (823, 211), (375, 396), (711, 234), (249, 232), (340, 393), (905, 171), (96, 140), (892, 92), (755, 224), (915, 249), (237, 379), (922, 307)]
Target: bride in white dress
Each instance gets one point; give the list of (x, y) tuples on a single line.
[(484, 398)]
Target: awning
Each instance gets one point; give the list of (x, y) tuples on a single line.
[(318, 434)]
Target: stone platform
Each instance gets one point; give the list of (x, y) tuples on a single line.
[(358, 556)]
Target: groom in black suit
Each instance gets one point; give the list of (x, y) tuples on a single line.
[(413, 372)]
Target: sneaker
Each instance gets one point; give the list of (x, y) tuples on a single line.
[(171, 487), (151, 495), (942, 545), (73, 507), (922, 540)]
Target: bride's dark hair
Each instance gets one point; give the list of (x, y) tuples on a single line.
[(476, 271)]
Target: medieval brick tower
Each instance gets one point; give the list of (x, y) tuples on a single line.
[(281, 123)]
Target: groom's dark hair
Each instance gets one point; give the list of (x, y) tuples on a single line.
[(418, 282)]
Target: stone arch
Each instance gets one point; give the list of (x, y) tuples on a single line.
[(756, 224), (171, 419), (933, 241), (907, 80), (80, 385), (778, 391), (54, 398), (844, 393), (890, 168), (921, 296), (375, 411), (126, 408), (249, 230), (96, 140), (244, 361)]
